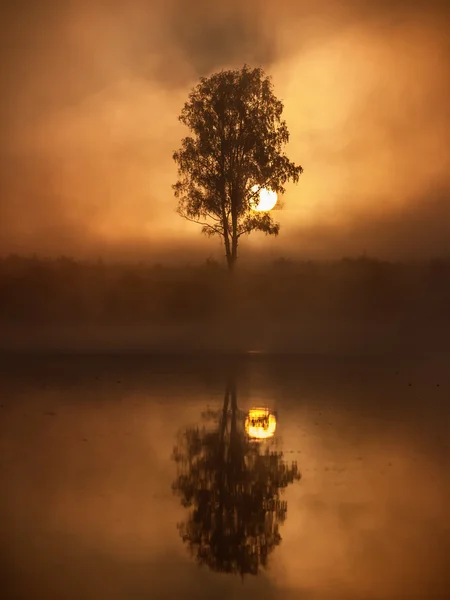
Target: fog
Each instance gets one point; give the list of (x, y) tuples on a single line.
[(120, 324), (349, 307), (90, 99)]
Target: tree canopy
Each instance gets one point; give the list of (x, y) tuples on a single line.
[(236, 149), (232, 488)]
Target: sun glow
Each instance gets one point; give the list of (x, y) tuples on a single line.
[(260, 423), (267, 199)]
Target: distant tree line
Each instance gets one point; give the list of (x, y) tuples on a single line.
[(37, 290)]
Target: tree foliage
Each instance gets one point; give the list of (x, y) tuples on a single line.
[(236, 144), (232, 488)]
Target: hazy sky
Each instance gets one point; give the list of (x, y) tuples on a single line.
[(91, 92)]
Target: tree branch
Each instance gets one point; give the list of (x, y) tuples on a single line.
[(203, 223)]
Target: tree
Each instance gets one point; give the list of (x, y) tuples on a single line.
[(236, 146), (233, 490)]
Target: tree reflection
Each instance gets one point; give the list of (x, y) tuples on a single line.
[(232, 487)]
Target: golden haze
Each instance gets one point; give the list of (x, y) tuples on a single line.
[(91, 101)]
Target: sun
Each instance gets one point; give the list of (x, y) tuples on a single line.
[(260, 423), (267, 199)]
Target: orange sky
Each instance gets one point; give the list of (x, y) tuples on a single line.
[(91, 96)]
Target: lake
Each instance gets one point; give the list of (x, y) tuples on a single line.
[(87, 476)]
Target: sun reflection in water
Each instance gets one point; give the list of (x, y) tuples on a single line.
[(260, 424)]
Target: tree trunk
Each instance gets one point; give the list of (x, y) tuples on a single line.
[(231, 262), (226, 241), (230, 253), (234, 228), (234, 246)]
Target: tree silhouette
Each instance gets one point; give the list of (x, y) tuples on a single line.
[(232, 487), (237, 144)]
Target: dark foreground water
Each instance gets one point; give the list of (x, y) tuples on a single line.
[(88, 510)]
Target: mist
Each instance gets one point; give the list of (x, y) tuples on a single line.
[(121, 328), (89, 107)]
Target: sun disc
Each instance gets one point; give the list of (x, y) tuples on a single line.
[(266, 201), (260, 424)]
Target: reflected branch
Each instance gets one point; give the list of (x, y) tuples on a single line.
[(232, 488)]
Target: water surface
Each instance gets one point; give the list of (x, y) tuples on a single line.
[(87, 472)]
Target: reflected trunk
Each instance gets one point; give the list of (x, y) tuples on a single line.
[(231, 487)]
